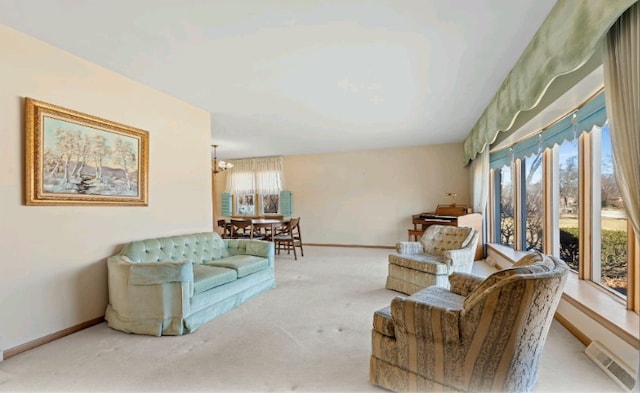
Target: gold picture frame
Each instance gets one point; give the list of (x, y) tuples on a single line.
[(72, 158)]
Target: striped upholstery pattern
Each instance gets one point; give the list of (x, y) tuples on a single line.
[(406, 280), (441, 251), (409, 248), (481, 335)]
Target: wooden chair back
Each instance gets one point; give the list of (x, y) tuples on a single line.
[(241, 228)]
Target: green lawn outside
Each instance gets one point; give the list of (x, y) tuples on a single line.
[(613, 224)]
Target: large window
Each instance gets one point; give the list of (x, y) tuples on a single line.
[(556, 191), (610, 260), (267, 204), (257, 185)]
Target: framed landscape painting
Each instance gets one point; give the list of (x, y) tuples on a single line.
[(76, 159)]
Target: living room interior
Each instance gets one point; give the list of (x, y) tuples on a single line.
[(353, 193)]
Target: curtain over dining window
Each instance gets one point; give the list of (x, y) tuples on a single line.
[(263, 176)]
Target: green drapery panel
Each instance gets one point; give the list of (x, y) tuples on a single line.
[(565, 41)]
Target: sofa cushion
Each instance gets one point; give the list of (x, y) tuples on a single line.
[(440, 297), (206, 277), (421, 262), (243, 264)]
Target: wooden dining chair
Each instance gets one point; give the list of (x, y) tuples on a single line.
[(226, 228), (242, 229), (266, 230), (289, 237)]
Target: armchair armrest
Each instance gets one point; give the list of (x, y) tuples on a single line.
[(459, 257), (419, 317), (410, 248), (464, 283)]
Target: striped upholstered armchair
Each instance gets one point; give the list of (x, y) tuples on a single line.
[(441, 251), (481, 335)]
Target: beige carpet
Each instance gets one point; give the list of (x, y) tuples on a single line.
[(310, 334)]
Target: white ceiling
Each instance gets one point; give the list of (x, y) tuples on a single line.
[(283, 77)]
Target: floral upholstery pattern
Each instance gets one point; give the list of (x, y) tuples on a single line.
[(441, 251), (443, 238), (481, 335)]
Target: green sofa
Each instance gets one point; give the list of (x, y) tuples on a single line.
[(172, 285)]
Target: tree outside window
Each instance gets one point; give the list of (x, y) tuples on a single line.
[(270, 203), (507, 224), (568, 204), (246, 204), (533, 202), (612, 272)]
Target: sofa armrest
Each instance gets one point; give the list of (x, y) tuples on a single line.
[(409, 248), (421, 318), (464, 283), (154, 290), (149, 273)]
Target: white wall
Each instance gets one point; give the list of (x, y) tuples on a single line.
[(368, 197), (53, 269)]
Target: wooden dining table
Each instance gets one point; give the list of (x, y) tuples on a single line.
[(268, 224)]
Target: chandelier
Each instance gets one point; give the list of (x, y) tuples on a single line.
[(219, 166)]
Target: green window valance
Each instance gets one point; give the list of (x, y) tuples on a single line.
[(565, 41), (593, 113)]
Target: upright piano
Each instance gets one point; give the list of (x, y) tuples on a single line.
[(454, 215)]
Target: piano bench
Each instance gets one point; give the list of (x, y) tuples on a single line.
[(416, 233)]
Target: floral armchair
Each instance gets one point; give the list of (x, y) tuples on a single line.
[(441, 251), (481, 335)]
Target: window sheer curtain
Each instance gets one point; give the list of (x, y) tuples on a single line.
[(622, 84), (269, 174), (263, 175), (480, 181), (480, 190)]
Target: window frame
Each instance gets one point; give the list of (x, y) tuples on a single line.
[(258, 205)]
